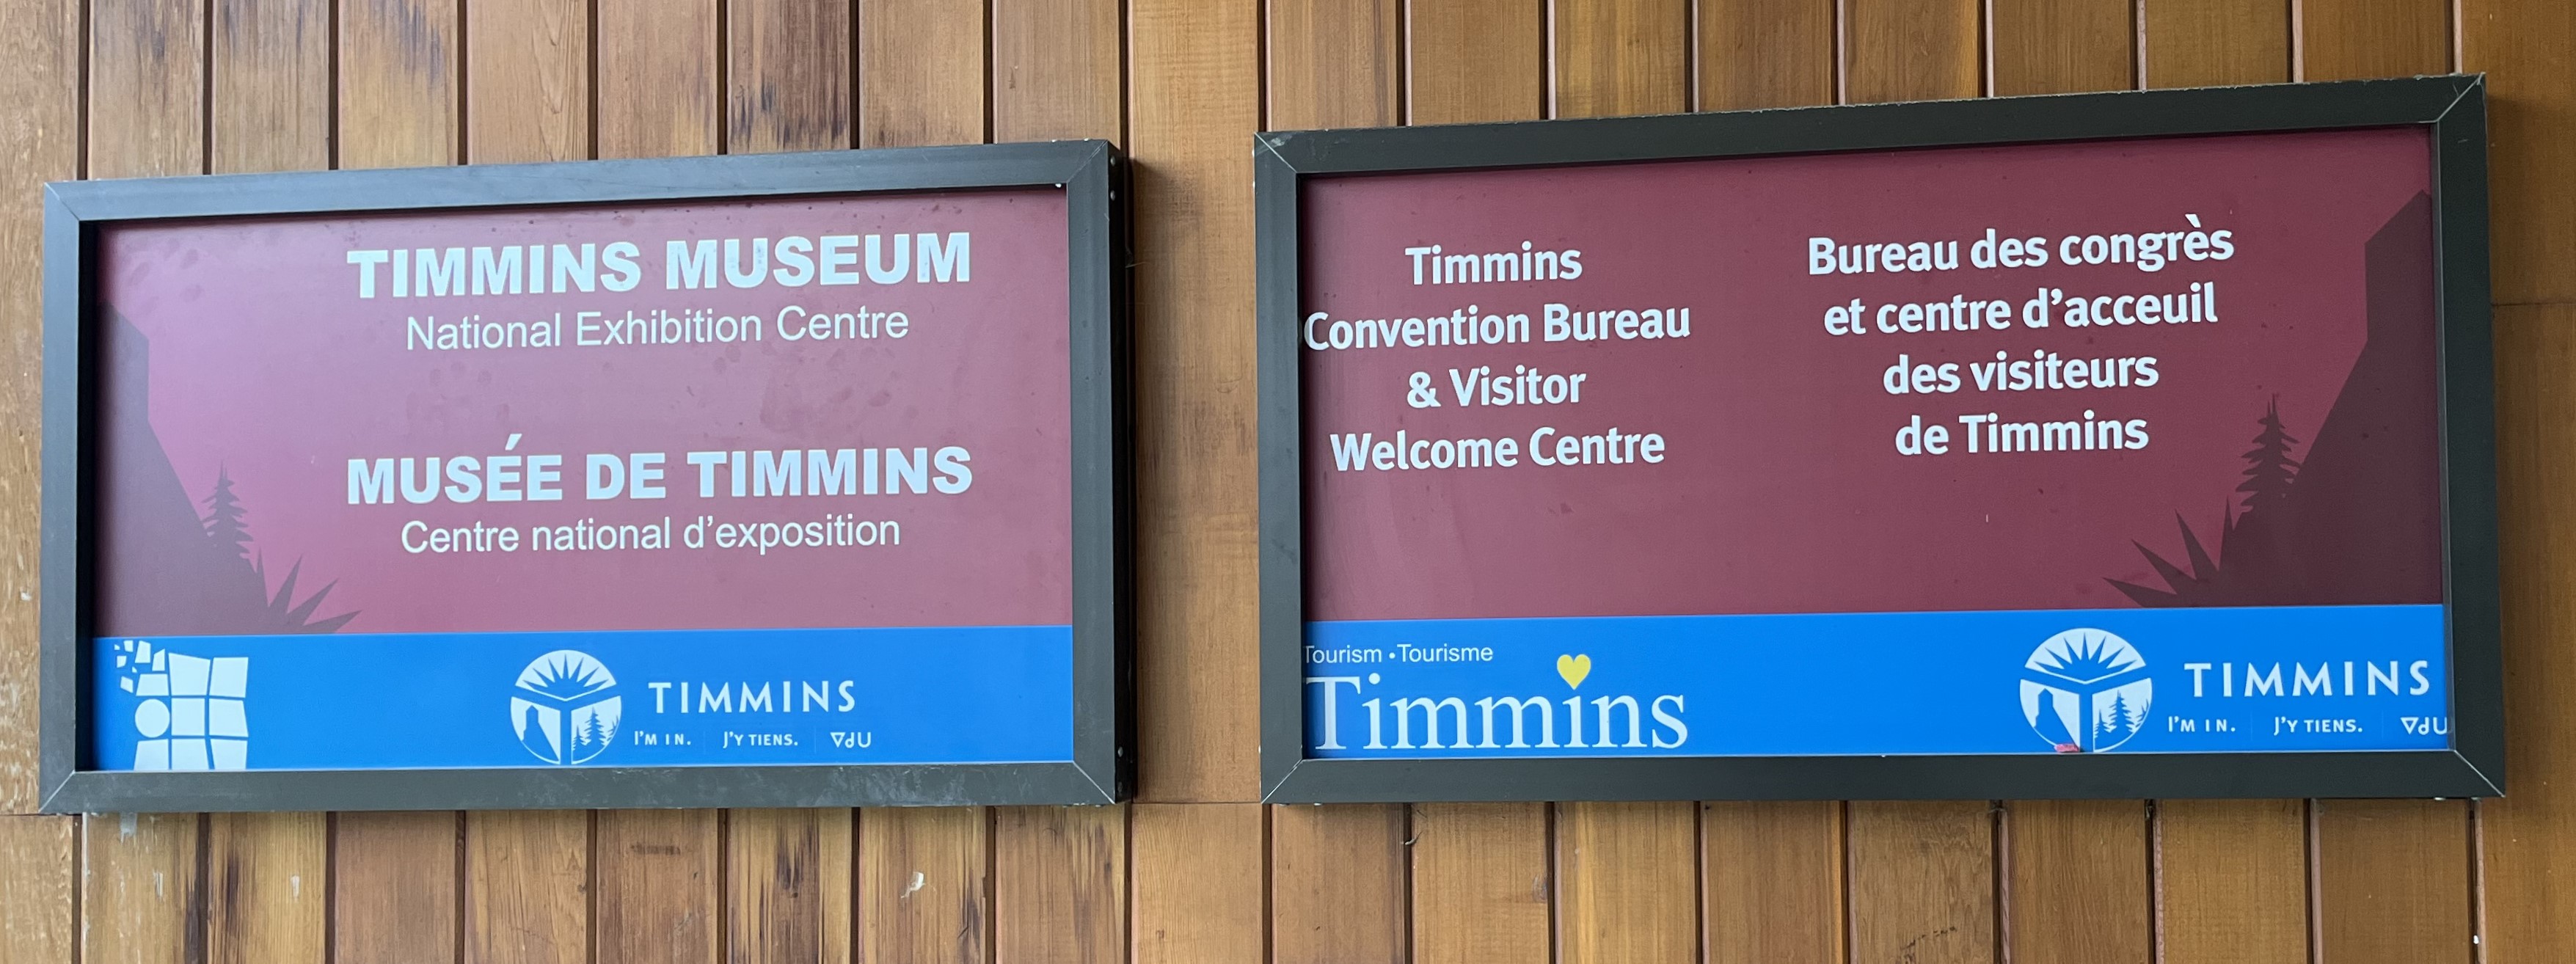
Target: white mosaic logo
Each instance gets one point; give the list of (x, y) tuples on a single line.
[(562, 709), (2086, 690), (191, 712)]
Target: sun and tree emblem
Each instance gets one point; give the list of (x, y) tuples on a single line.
[(2086, 690), (563, 709)]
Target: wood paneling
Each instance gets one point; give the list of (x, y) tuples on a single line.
[(656, 873), (141, 899), (2392, 882), (267, 888), (1627, 889), (1198, 882), (2063, 46), (1475, 60), (788, 880), (2078, 881), (2352, 39), (2202, 43), (40, 140), (394, 887), (2528, 839), (1911, 50), (142, 87), (1616, 57), (38, 860), (527, 886), (1483, 890), (788, 83), (921, 72), (1922, 882), (925, 887), (1057, 72), (147, 87), (2232, 880), (1333, 63), (1765, 53), (270, 66), (1059, 885), (1772, 882), (1337, 884), (1194, 102), (2527, 49), (400, 100), (656, 78)]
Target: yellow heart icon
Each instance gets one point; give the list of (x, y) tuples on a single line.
[(1574, 669)]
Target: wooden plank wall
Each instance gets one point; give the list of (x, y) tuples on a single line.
[(1197, 872)]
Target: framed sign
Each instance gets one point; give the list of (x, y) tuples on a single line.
[(783, 480), (2119, 445)]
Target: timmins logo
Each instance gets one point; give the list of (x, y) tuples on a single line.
[(564, 708), (2086, 691), (1350, 706)]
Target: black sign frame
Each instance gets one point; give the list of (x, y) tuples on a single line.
[(1091, 173), (2452, 108)]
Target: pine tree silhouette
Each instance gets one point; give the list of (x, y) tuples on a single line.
[(593, 733), (2115, 720), (2270, 470), (224, 518), (2137, 719)]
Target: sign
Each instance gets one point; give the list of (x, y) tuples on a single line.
[(2127, 445), (782, 481)]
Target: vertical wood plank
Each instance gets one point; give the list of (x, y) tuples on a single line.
[(267, 888), (921, 72), (1060, 885), (1481, 880), (140, 899), (40, 140), (788, 79), (1057, 70), (1765, 53), (147, 88), (1482, 885), (527, 81), (1473, 61), (2529, 837), (399, 93), (1333, 63), (657, 79), (2232, 879), (657, 872), (527, 886), (2063, 46), (2204, 43), (787, 883), (38, 856), (2078, 881), (925, 886), (2353, 39), (1337, 884), (2527, 48), (1194, 103), (394, 887), (1197, 878), (1627, 876), (270, 106), (1619, 57), (1922, 882), (2392, 882), (1911, 50), (1773, 882)]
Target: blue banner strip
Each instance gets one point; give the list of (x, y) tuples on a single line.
[(2204, 680), (987, 694)]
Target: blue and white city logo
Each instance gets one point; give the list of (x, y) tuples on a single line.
[(2086, 691), (563, 709)]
